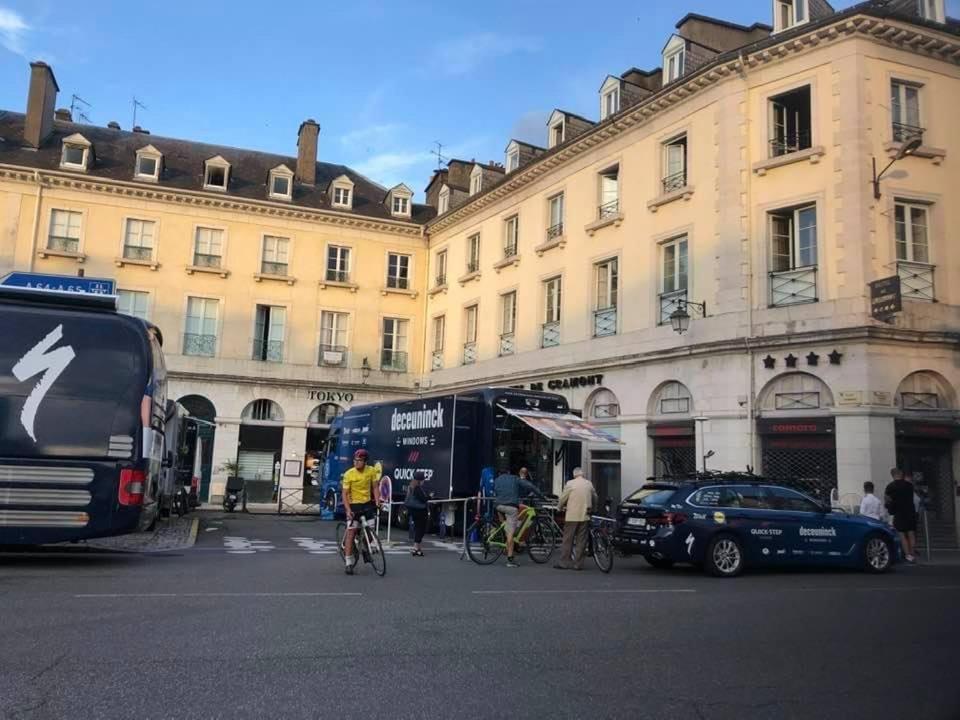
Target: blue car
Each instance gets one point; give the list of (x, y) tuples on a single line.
[(731, 522)]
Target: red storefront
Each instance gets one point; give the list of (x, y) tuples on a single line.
[(674, 448), (801, 452)]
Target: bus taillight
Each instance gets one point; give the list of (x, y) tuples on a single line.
[(132, 484)]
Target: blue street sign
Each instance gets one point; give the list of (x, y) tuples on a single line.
[(60, 283)]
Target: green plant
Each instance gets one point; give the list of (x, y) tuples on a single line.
[(230, 467)]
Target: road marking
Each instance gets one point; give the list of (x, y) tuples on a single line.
[(224, 594), (581, 592)]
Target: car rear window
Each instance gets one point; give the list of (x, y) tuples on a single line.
[(651, 496)]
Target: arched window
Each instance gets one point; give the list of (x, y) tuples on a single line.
[(263, 411), (603, 405), (199, 407), (925, 391), (797, 392), (324, 414), (671, 398)]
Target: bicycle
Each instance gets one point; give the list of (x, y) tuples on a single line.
[(486, 541), (366, 542), (599, 543)]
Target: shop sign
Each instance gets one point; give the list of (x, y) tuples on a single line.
[(928, 429), (885, 298), (331, 396), (568, 383), (675, 430), (881, 397), (799, 426), (849, 397)]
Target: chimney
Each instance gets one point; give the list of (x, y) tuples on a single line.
[(138, 129), (307, 152), (40, 101), (63, 115), (113, 125)]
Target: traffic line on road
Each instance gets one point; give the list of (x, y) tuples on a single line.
[(217, 595), (584, 592)]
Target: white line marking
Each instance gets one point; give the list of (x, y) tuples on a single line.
[(225, 594), (579, 592)]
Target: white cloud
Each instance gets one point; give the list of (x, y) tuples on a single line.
[(461, 55), (13, 28), (370, 135)]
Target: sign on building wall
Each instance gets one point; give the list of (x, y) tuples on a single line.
[(567, 383), (885, 298)]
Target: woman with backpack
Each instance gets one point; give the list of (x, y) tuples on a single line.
[(416, 504)]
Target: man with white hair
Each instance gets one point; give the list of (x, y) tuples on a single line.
[(578, 498)]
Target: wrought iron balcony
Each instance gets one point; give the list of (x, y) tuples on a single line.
[(509, 250), (441, 280), (437, 363), (332, 355), (469, 353), (63, 244), (507, 344), (202, 345), (473, 266), (916, 280), (669, 303), (341, 276), (207, 260), (609, 209), (904, 133), (268, 350), (273, 268), (793, 287), (677, 181), (550, 334), (135, 252), (395, 360), (790, 143), (605, 322), (555, 231)]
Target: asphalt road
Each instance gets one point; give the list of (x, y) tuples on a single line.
[(239, 629)]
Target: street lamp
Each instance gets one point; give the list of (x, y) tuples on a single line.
[(908, 148), (680, 318)]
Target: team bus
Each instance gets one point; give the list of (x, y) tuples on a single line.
[(82, 410), (456, 440)]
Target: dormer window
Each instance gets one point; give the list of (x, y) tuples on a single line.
[(148, 164), (931, 10), (280, 183), (476, 180), (610, 97), (398, 200), (443, 200), (556, 134), (788, 13), (401, 206), (216, 174), (341, 192), (76, 153), (513, 157)]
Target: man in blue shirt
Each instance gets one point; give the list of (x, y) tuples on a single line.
[(507, 489)]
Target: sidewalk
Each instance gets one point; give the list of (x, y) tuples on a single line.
[(173, 533)]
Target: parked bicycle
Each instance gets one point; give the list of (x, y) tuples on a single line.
[(599, 538), (366, 542), (487, 540)]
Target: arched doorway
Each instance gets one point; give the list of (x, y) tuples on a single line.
[(603, 408), (797, 433), (261, 444), (926, 436), (671, 427), (204, 432), (318, 428)]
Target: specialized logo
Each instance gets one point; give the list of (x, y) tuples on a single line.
[(818, 532), (36, 361), (689, 542), (417, 419)]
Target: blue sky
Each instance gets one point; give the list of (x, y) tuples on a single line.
[(385, 80)]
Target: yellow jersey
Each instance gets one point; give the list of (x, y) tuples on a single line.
[(360, 484)]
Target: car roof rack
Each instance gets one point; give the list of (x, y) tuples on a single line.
[(715, 477)]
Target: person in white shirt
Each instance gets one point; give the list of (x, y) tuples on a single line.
[(871, 505)]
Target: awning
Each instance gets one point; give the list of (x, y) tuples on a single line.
[(563, 427)]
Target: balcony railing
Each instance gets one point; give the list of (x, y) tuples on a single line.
[(507, 344), (395, 360), (437, 363), (398, 283), (268, 350), (202, 345), (63, 244), (605, 322), (550, 334), (555, 231), (509, 250), (135, 252), (441, 280), (790, 143), (792, 287), (674, 182), (205, 260), (273, 268), (473, 266), (609, 209), (332, 355), (469, 353), (669, 303), (916, 280), (903, 132), (338, 276)]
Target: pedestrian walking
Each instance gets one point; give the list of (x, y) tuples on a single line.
[(577, 499), (416, 504), (870, 505), (900, 504)]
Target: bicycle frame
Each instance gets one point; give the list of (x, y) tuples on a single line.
[(528, 514)]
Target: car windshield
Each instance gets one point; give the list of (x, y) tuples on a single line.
[(651, 496)]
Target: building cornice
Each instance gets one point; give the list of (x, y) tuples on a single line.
[(888, 31), (214, 201), (292, 384)]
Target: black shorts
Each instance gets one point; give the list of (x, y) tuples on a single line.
[(367, 510), (905, 522)]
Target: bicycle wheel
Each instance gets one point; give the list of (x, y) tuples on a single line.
[(602, 550), (541, 540), (375, 549), (340, 535), (479, 548)]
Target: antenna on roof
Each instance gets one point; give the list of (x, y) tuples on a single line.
[(136, 104), (440, 158), (76, 110)]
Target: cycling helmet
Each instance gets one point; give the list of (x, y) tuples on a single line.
[(361, 454)]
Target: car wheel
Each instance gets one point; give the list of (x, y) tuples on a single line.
[(724, 556), (877, 554), (659, 563)]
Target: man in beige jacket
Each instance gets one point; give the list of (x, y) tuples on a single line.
[(578, 497)]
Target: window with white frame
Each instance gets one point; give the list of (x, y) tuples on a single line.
[(556, 134), (606, 282), (216, 174), (443, 200), (793, 255), (513, 159), (281, 184), (64, 231), (675, 164), (398, 271), (334, 327), (790, 122), (905, 110), (269, 330), (508, 313), (470, 315), (75, 153), (610, 103), (610, 191), (208, 248), (788, 13), (555, 219), (552, 299), (276, 255), (338, 264), (673, 64), (911, 224), (673, 255), (931, 10), (511, 229), (138, 239), (441, 267), (401, 205), (147, 166), (394, 352), (439, 332), (133, 302), (473, 253), (476, 180), (200, 333), (341, 196)]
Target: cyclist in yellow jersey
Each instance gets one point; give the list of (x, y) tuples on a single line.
[(360, 499)]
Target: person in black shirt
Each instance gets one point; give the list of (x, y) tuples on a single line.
[(899, 502)]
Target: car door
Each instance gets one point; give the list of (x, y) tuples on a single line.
[(810, 534), (748, 515)]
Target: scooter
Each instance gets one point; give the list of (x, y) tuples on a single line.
[(234, 494)]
